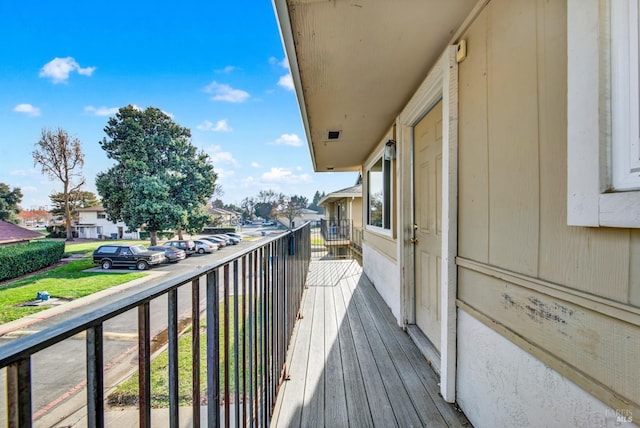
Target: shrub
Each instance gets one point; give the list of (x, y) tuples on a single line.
[(20, 259)]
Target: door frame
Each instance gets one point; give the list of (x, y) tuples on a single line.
[(440, 84)]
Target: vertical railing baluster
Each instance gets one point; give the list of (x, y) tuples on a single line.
[(19, 393), (236, 345), (144, 365), (195, 351), (273, 313), (244, 340), (251, 322), (172, 303), (213, 349), (265, 335), (254, 341), (227, 396), (95, 377)]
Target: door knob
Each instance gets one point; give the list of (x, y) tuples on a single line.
[(414, 241)]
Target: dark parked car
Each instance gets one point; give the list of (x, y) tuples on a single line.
[(187, 245), (137, 256), (171, 253)]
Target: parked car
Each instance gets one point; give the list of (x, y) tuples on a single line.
[(137, 256), (221, 242), (204, 246), (172, 254), (234, 235), (187, 245), (228, 239)]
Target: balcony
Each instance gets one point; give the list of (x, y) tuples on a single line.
[(341, 239), (309, 343)]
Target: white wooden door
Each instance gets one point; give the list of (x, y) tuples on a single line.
[(427, 176)]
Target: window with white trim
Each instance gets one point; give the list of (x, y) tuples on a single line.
[(379, 194), (625, 127), (603, 113)]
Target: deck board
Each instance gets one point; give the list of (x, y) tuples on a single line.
[(351, 365)]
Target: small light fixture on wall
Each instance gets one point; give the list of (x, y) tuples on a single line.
[(390, 150)]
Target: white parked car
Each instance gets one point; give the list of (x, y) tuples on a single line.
[(205, 246)]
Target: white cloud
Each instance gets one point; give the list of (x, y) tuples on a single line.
[(28, 109), (225, 173), (218, 156), (220, 126), (222, 92), (24, 172), (101, 111), (284, 175), (286, 82), (255, 164), (227, 70), (167, 113), (58, 69), (288, 140)]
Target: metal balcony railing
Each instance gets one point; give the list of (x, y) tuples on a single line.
[(336, 229), (271, 277)]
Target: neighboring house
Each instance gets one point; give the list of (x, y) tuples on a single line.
[(13, 234), (93, 224), (303, 216), (344, 204), (223, 216), (342, 223), (500, 184)]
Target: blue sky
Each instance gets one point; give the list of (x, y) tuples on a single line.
[(217, 68)]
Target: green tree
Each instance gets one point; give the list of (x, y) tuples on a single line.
[(60, 157), (159, 181), (77, 199), (247, 208), (290, 207), (266, 203), (314, 203), (9, 203)]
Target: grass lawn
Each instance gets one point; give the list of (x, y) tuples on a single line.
[(88, 247), (126, 394), (66, 282)]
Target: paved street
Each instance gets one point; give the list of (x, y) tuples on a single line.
[(56, 375)]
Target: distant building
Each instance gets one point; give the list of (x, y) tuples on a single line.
[(222, 216), (93, 224), (344, 204), (341, 226), (304, 216), (13, 234)]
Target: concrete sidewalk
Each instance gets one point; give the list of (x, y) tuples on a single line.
[(129, 418)]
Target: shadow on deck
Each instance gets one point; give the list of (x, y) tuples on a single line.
[(351, 365)]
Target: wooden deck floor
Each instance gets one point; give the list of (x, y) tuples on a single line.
[(350, 365)]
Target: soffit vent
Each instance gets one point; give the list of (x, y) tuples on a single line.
[(333, 135)]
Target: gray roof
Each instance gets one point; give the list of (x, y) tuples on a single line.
[(10, 233), (349, 192)]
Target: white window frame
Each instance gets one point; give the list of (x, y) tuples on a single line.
[(387, 215), (601, 190)]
